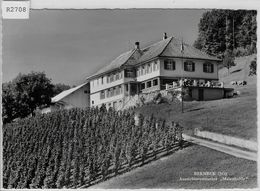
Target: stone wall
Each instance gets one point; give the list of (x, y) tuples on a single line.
[(248, 144)]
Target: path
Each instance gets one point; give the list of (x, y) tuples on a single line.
[(249, 155)]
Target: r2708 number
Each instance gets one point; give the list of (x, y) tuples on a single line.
[(15, 9)]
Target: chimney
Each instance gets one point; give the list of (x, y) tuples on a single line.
[(164, 36), (137, 45)]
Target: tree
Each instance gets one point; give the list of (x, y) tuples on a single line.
[(24, 94), (9, 103), (228, 60), (221, 30), (58, 88)]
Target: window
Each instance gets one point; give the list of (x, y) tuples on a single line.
[(102, 95), (142, 86), (155, 66), (169, 64), (126, 87), (108, 79), (111, 78), (208, 67), (144, 70), (117, 90), (114, 104), (97, 81), (149, 84), (189, 66), (120, 89), (112, 92), (129, 74), (138, 71), (149, 68), (102, 80), (92, 101), (155, 82), (108, 93)]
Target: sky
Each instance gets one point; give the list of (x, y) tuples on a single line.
[(69, 45)]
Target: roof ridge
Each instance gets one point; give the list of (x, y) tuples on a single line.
[(156, 43), (134, 50), (166, 45)]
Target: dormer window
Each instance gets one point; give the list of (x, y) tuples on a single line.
[(208, 67), (129, 74), (189, 66)]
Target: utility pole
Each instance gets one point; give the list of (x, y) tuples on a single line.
[(233, 33), (182, 50)]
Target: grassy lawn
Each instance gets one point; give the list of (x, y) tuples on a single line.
[(176, 170), (236, 116)]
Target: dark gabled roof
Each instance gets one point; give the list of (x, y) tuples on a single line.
[(115, 64), (154, 50), (174, 50), (170, 47)]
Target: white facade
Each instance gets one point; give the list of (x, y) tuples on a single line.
[(149, 69), (149, 78), (75, 97), (198, 73), (79, 98)]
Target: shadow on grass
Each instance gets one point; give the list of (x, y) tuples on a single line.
[(235, 71), (197, 109)]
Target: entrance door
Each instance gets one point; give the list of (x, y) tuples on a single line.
[(201, 94), (133, 89)]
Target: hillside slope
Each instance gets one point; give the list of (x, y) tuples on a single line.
[(235, 116)]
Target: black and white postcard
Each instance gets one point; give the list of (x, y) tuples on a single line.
[(111, 95)]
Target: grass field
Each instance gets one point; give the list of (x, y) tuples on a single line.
[(235, 116), (175, 171)]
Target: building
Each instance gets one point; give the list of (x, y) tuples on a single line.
[(78, 96), (142, 70)]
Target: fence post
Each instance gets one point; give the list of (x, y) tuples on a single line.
[(179, 134), (167, 86)]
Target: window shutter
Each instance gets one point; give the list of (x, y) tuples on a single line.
[(173, 65), (193, 66), (185, 66), (212, 68), (165, 64)]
